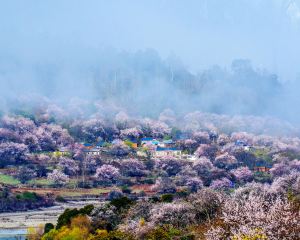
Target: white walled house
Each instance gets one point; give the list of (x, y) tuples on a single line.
[(164, 152), (92, 151)]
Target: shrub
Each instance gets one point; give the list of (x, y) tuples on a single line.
[(167, 197), (121, 203), (31, 196), (60, 199), (65, 218), (114, 195), (126, 189), (154, 199), (182, 193), (48, 227)]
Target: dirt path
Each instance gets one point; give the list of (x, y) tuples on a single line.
[(36, 217)]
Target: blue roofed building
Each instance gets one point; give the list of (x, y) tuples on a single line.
[(240, 143), (87, 145), (149, 140), (167, 143), (146, 140), (92, 151), (100, 144)]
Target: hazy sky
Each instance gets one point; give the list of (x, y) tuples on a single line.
[(200, 32)]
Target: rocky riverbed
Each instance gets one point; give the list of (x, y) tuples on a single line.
[(33, 218)]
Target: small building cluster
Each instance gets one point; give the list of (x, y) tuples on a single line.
[(156, 148)]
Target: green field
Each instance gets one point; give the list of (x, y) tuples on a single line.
[(80, 192), (44, 182), (64, 192), (40, 182), (7, 179)]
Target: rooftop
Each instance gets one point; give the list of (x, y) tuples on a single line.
[(132, 140), (147, 139), (92, 150), (87, 144), (166, 149), (100, 143)]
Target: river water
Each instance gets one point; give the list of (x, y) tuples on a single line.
[(14, 225), (13, 234)]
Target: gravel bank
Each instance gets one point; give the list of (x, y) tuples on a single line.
[(34, 218)]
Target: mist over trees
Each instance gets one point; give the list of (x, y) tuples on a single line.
[(144, 84)]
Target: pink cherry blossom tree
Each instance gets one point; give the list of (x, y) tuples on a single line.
[(25, 174), (107, 174), (295, 165), (249, 216), (178, 215), (223, 139), (186, 173), (164, 185), (225, 160), (122, 120), (203, 166), (285, 183), (155, 129), (207, 203), (58, 177), (19, 125), (201, 137), (280, 169), (7, 135), (119, 149), (45, 139), (68, 166), (189, 145), (11, 153), (221, 184), (206, 150), (131, 133), (93, 129), (194, 183), (59, 135), (170, 165), (133, 167), (242, 174)]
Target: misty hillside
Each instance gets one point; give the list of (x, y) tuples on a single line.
[(144, 83)]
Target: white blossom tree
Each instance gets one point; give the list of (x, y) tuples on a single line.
[(107, 173), (243, 174), (178, 215), (249, 216), (58, 177)]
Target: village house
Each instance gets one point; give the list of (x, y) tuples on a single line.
[(163, 152), (92, 151), (64, 151), (147, 141), (189, 157), (100, 144), (241, 143), (132, 142), (87, 145), (167, 144), (262, 167)]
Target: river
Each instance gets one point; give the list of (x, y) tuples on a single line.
[(14, 225)]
